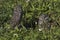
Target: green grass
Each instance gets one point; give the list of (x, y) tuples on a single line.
[(33, 9)]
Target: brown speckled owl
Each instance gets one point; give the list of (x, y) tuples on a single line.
[(43, 22), (17, 15)]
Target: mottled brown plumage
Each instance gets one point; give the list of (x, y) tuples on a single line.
[(43, 21), (17, 15)]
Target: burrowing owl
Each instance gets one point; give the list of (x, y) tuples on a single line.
[(43, 21), (17, 15)]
